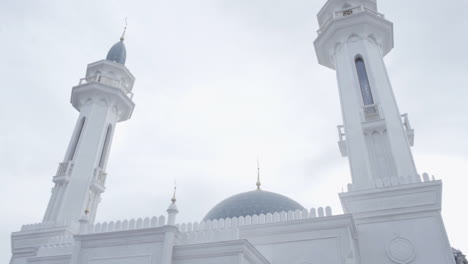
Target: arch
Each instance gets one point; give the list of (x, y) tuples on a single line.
[(354, 37), (365, 88), (338, 46), (371, 38), (105, 147), (98, 76), (76, 139)]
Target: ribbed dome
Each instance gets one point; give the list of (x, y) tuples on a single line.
[(118, 53), (250, 203)]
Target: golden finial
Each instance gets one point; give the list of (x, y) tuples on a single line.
[(122, 38), (173, 200), (258, 175)]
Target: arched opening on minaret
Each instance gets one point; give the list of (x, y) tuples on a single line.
[(105, 147), (363, 81), (76, 140)]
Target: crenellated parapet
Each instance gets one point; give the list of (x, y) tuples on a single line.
[(228, 228), (124, 225), (218, 224), (39, 226), (395, 181), (256, 219)]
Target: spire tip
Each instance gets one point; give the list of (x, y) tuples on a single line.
[(122, 38), (173, 199), (258, 175)]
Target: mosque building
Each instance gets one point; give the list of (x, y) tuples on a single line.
[(392, 214)]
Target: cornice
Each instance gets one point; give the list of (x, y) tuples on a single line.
[(300, 226), (220, 249), (127, 237)]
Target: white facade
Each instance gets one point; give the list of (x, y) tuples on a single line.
[(391, 215)]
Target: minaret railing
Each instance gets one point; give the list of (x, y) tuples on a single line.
[(408, 129), (347, 12), (342, 141), (100, 179), (108, 81), (64, 168)]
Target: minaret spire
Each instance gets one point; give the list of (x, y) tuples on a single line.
[(172, 210), (258, 175), (173, 199), (122, 38)]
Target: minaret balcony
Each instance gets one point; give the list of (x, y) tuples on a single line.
[(64, 171), (99, 180), (339, 26), (372, 116), (342, 141), (409, 130), (340, 14), (108, 81), (99, 88)]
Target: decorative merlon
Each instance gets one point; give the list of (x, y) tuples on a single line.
[(395, 181), (228, 229), (255, 219), (124, 225), (39, 226)]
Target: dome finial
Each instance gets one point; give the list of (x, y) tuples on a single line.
[(258, 175), (122, 38), (173, 199)]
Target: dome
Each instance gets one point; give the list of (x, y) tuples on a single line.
[(251, 203), (118, 53)]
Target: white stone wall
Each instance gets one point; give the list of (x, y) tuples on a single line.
[(400, 224)]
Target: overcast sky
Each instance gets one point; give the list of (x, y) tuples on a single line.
[(218, 82)]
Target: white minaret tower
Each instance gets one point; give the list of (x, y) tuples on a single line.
[(353, 39), (103, 98), (397, 216)]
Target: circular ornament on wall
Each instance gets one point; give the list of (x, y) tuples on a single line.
[(400, 250)]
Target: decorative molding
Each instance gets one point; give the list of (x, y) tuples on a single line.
[(400, 250)]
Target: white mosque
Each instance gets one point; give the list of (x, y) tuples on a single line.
[(391, 213)]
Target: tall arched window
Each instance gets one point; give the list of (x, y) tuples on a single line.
[(364, 81), (105, 147), (76, 140)]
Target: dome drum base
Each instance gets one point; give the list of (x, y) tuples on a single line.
[(252, 203)]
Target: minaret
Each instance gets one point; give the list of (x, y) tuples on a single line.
[(353, 39), (397, 216), (103, 98)]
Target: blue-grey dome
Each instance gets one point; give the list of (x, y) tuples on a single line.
[(118, 53), (251, 203)]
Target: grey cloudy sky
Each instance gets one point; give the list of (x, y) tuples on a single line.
[(219, 82)]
